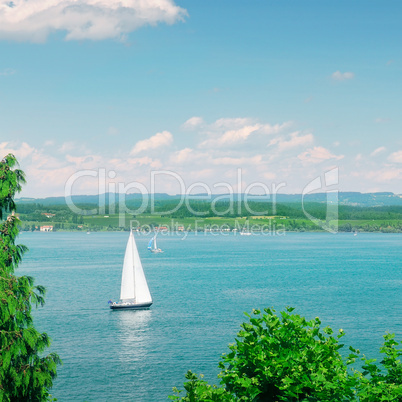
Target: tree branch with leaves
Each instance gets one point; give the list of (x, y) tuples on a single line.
[(25, 374), (284, 357)]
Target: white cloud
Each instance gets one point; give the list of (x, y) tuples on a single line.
[(158, 140), (113, 131), (230, 123), (294, 157), (186, 155), (44, 173), (317, 155), (338, 76), (381, 120), (7, 71), (127, 165), (20, 151), (377, 151), (34, 20), (254, 160), (294, 141), (67, 147), (227, 132), (84, 162), (146, 161), (386, 174), (231, 137), (192, 123), (49, 143), (269, 175), (396, 157)]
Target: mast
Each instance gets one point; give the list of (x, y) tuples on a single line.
[(132, 250)]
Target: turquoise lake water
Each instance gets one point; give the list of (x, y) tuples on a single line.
[(201, 286)]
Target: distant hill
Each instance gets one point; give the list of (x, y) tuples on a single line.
[(101, 199), (345, 198), (350, 198)]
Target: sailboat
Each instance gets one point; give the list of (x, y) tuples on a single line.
[(134, 293), (244, 233), (152, 246)]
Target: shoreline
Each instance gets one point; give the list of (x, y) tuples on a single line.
[(231, 233)]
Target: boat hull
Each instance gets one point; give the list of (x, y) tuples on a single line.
[(130, 306)]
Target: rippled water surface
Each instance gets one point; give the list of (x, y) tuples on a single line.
[(201, 286)]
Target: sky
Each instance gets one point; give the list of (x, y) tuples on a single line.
[(196, 96)]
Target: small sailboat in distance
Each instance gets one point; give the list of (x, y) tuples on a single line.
[(245, 232), (152, 246), (134, 292)]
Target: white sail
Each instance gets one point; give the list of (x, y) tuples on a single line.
[(152, 245), (134, 287)]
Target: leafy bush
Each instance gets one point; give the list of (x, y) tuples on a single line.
[(287, 358)]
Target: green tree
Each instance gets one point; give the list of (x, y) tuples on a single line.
[(382, 383), (287, 358), (25, 373)]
